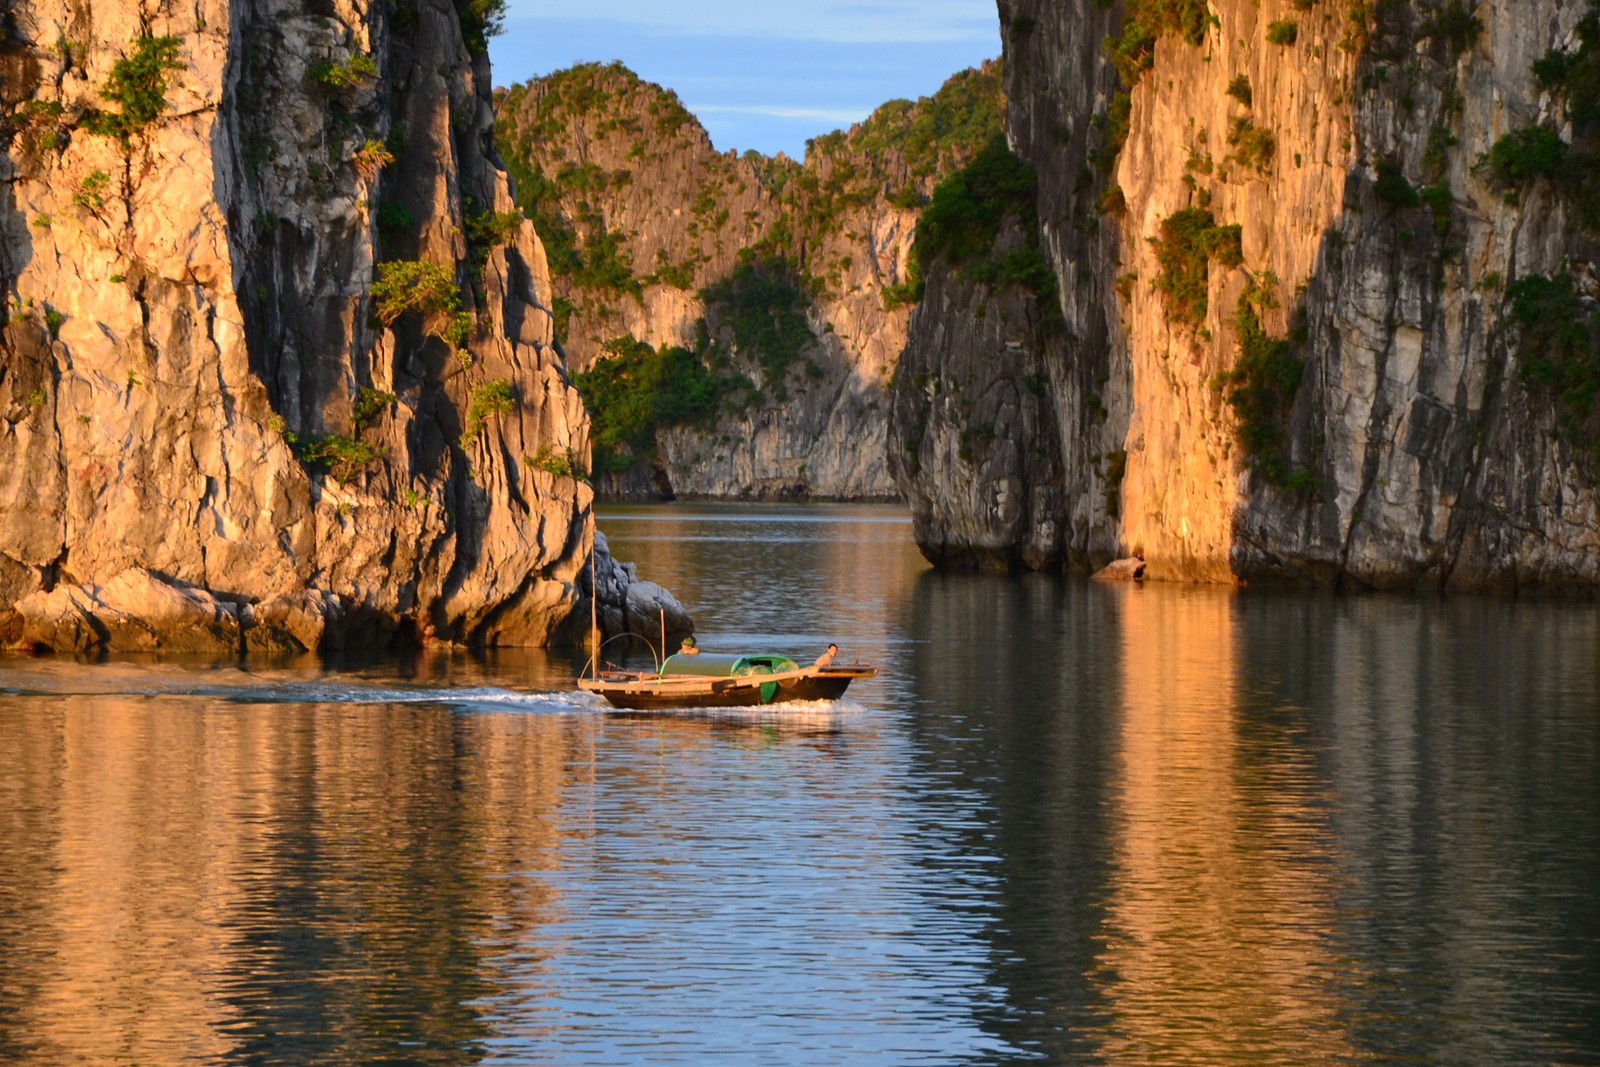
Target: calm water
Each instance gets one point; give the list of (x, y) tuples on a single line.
[(1072, 823)]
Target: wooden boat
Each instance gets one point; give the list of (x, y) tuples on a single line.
[(711, 680)]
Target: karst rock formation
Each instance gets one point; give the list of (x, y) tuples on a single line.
[(1323, 302), (278, 370)]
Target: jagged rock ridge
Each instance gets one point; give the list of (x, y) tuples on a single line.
[(210, 426)]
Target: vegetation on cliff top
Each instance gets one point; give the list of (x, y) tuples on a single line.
[(961, 226), (608, 238), (1133, 52), (626, 193), (932, 134), (480, 20)]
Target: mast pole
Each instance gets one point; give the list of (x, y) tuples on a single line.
[(594, 607), (663, 634)]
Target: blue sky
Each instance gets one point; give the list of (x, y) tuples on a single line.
[(762, 74)]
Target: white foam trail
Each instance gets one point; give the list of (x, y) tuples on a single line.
[(95, 682)]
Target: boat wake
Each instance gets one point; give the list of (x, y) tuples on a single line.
[(241, 687)]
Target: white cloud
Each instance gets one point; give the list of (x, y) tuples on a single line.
[(852, 21), (778, 111)]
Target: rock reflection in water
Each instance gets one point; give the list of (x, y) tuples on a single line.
[(1014, 732), (1217, 943), (1235, 828), (198, 882)]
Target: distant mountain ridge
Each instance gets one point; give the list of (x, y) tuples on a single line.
[(785, 284)]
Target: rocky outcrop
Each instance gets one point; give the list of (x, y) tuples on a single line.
[(1337, 392), (212, 433), (971, 402), (652, 220)]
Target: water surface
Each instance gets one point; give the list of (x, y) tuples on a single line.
[(1072, 823)]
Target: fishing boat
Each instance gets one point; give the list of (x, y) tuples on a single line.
[(712, 680)]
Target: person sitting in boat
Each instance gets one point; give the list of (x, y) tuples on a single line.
[(826, 659), (689, 648)]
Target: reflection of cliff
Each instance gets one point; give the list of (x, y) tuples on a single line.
[(301, 884), (1217, 828), (1013, 738), (1217, 938)]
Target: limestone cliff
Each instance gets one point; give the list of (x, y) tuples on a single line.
[(657, 237), (1308, 253), (278, 369)]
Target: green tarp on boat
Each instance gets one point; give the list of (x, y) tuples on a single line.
[(719, 665)]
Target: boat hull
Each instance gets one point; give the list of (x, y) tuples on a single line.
[(645, 694)]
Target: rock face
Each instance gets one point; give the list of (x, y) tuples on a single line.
[(654, 225), (211, 434), (1350, 399), (972, 396)]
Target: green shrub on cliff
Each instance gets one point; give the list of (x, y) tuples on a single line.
[(1558, 352), (1455, 23), (480, 20), (599, 261), (1391, 186), (1260, 388), (1573, 77), (406, 285), (1283, 32), (360, 71), (956, 121), (1527, 153), (342, 457), (1133, 51), (485, 231), (1189, 240), (963, 221), (766, 311), (369, 403), (1576, 75), (1252, 146), (487, 401), (138, 86)]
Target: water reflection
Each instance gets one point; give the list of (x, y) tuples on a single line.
[(1240, 828), (1016, 726), (1073, 823), (1217, 942), (198, 880), (309, 884)]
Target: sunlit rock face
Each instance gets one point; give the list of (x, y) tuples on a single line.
[(202, 410), (1414, 451)]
